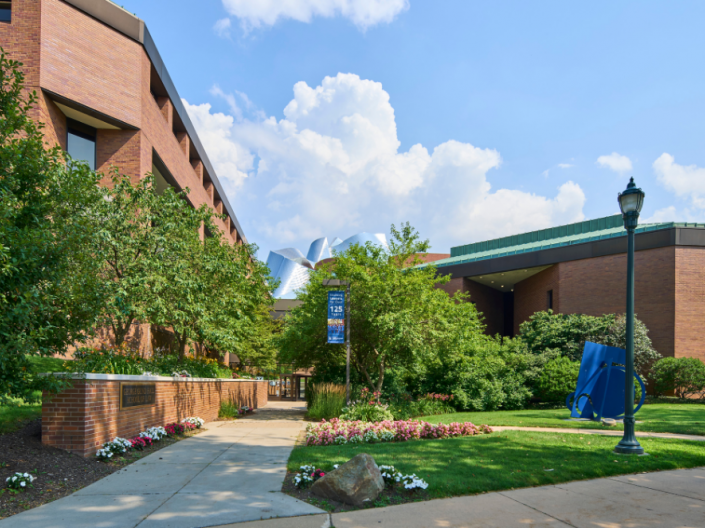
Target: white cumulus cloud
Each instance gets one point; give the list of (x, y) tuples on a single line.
[(685, 181), (363, 13), (222, 27), (332, 166), (615, 162)]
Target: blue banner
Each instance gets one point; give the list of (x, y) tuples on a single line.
[(336, 317)]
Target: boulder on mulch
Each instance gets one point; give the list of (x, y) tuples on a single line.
[(355, 482)]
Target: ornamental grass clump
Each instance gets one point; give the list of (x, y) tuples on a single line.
[(19, 481), (340, 432), (325, 400)]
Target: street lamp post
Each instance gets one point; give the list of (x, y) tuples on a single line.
[(630, 202), (338, 282)]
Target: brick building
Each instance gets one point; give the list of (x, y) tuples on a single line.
[(582, 268), (106, 97)]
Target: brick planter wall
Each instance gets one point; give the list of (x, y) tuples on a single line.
[(87, 415)]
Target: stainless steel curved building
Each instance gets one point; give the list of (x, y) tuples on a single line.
[(292, 269)]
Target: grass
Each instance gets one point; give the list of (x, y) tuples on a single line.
[(12, 417), (18, 412), (656, 418), (508, 460), (325, 401)]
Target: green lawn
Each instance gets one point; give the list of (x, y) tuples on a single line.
[(657, 418), (14, 415), (512, 459)]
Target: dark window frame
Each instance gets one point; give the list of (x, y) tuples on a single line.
[(549, 300), (6, 11), (84, 131)]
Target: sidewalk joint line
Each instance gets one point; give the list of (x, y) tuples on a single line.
[(536, 509), (654, 489)]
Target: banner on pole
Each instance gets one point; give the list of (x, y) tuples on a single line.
[(336, 317)]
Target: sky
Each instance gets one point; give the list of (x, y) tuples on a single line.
[(470, 120)]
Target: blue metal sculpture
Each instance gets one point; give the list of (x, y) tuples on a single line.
[(600, 389)]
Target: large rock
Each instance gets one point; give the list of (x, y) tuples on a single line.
[(356, 481)]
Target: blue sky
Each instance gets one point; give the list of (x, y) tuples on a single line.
[(470, 119)]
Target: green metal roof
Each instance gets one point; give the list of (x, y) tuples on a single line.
[(578, 233)]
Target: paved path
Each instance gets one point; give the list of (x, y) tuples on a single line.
[(232, 472), (664, 499), (605, 432)]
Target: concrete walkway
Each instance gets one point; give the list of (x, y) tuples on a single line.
[(649, 500), (232, 472)]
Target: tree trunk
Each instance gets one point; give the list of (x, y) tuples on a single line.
[(121, 330), (380, 380), (182, 346)]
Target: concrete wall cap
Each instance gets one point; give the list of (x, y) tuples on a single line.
[(130, 377)]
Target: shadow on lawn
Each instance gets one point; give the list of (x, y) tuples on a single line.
[(512, 459)]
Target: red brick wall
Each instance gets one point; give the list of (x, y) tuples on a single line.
[(488, 301), (690, 302), (530, 295), (598, 286), (84, 417), (89, 62)]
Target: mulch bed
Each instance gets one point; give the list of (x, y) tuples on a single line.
[(388, 497), (59, 473)]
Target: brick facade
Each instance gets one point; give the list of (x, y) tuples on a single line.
[(78, 57), (669, 295), (690, 302), (530, 295), (84, 417)]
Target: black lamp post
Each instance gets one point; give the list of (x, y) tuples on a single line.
[(630, 202)]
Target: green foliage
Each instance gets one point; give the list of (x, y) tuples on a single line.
[(368, 408), (49, 288), (399, 318), (684, 376), (122, 360), (488, 373), (228, 409), (212, 292), (324, 400), (558, 379), (569, 332)]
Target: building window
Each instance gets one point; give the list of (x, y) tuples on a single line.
[(80, 142), (549, 300), (5, 11)]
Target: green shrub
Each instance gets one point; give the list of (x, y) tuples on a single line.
[(325, 400), (684, 376), (122, 360), (228, 409), (490, 373), (569, 332), (367, 409), (558, 379)]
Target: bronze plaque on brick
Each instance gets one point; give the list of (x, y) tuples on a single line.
[(137, 394)]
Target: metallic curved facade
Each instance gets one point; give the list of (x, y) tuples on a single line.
[(292, 269)]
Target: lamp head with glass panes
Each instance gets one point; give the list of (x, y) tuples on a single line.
[(631, 202)]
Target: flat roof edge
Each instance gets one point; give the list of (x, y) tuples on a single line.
[(113, 15), (677, 236)]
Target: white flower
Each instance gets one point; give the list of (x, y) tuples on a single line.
[(14, 478), (23, 484)]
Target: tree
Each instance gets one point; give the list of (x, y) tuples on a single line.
[(134, 228), (49, 287), (208, 292), (399, 318)]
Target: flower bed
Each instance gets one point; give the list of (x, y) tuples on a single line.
[(120, 446), (338, 432)]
